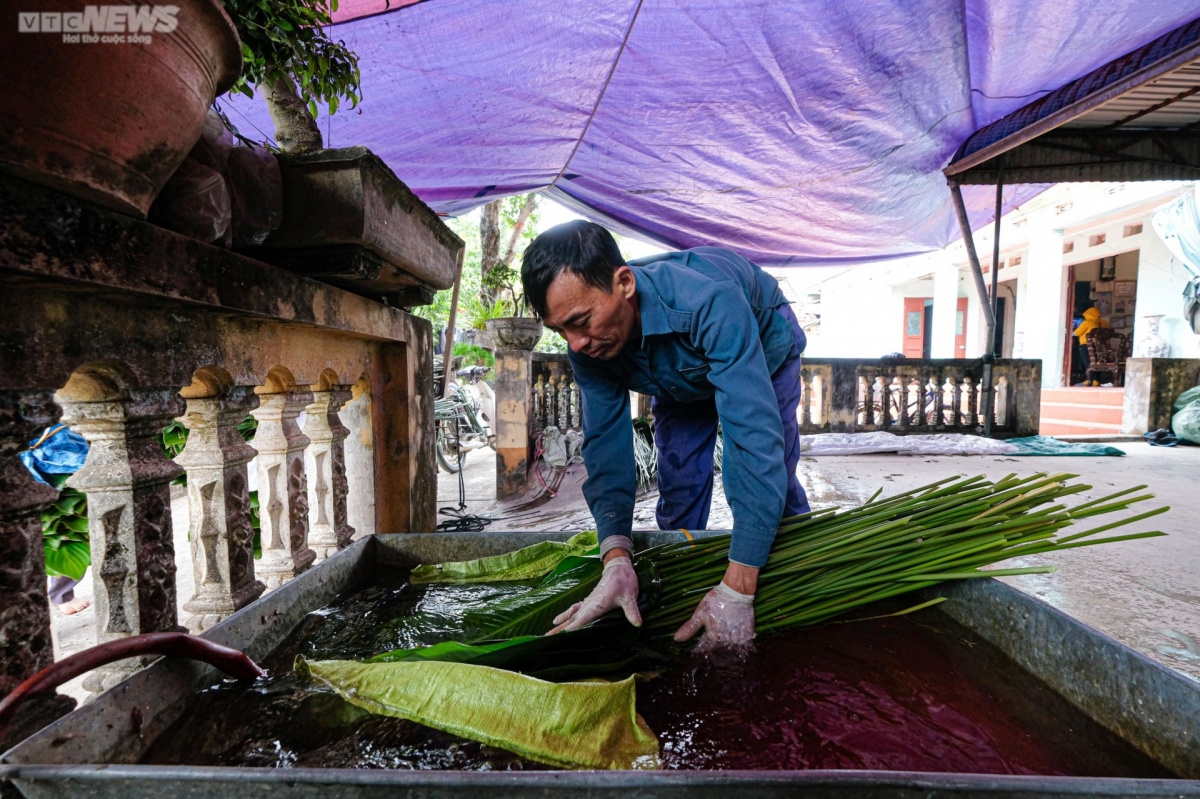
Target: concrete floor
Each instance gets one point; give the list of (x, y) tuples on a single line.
[(1145, 593)]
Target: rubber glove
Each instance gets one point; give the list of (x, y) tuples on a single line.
[(727, 617), (618, 587)]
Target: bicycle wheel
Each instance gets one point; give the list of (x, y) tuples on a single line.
[(449, 456)]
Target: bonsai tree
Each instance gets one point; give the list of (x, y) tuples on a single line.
[(290, 59)]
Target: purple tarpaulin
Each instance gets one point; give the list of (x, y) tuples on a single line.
[(797, 133)]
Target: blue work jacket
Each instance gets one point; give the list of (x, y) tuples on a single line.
[(708, 327)]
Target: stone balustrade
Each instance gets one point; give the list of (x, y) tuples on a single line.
[(838, 395), (905, 396), (119, 327)]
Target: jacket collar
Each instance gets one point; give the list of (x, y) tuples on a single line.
[(652, 312)]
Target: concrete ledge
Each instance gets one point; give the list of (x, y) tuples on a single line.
[(49, 237)]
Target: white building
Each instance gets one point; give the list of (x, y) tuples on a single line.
[(1052, 251)]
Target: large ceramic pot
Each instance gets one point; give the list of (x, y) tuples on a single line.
[(515, 332), (110, 120)]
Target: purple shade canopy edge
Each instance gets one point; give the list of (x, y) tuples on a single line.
[(804, 133)]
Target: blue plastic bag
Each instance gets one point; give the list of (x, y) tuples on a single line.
[(63, 451)]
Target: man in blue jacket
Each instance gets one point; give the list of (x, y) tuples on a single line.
[(710, 336)]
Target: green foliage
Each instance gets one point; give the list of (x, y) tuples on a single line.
[(287, 37), (65, 534), (551, 342), (475, 356), (467, 228), (479, 313)]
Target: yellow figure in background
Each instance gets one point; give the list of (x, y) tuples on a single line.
[(1091, 320)]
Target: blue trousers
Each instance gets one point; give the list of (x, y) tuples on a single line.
[(686, 432)]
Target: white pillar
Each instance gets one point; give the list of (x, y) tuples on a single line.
[(325, 456), (945, 307), (1041, 317), (221, 536), (282, 487)]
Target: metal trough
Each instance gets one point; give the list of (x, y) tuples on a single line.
[(89, 751)]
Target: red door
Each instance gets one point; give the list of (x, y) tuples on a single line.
[(960, 329), (914, 327)]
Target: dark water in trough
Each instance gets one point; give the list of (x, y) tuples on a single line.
[(915, 693)]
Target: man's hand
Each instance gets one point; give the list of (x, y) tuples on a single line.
[(726, 613), (618, 587)]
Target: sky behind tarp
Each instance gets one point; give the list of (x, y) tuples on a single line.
[(806, 132)]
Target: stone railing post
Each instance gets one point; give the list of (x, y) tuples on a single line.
[(514, 428), (514, 420), (126, 478), (25, 643), (282, 487), (221, 535), (328, 529)]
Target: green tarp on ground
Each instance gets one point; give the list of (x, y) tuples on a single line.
[(529, 563), (570, 725)]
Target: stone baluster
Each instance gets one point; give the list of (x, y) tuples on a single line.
[(935, 418), (328, 529), (577, 407), (955, 401), (972, 413), (1002, 400), (565, 389), (806, 393), (863, 413), (282, 487), (25, 642), (220, 531), (885, 402), (127, 481), (552, 401), (899, 389), (539, 406)]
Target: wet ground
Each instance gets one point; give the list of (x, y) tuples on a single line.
[(916, 693)]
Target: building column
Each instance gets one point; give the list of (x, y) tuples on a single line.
[(127, 481), (945, 308), (222, 538), (1041, 312), (25, 642), (282, 487), (328, 529)]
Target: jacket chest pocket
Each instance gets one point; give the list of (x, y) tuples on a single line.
[(695, 374)]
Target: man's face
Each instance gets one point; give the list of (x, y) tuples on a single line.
[(594, 322)]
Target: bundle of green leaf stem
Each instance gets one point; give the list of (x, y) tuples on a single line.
[(828, 562), (822, 564)]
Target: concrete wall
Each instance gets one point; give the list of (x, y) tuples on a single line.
[(1161, 279)]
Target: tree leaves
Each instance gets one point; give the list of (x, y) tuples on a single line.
[(287, 37)]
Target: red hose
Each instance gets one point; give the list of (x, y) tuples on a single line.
[(179, 645)]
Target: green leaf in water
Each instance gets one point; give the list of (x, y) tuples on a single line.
[(528, 563)]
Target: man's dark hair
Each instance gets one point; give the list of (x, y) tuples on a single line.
[(581, 247)]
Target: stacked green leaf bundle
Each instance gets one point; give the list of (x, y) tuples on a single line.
[(828, 562)]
